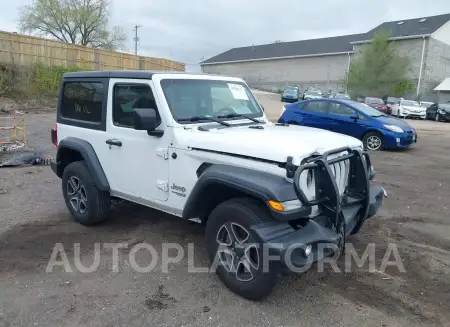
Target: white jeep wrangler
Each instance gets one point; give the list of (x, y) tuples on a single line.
[(200, 147)]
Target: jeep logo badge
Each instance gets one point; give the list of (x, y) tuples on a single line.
[(178, 190)]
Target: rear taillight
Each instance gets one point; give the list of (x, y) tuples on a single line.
[(54, 135)]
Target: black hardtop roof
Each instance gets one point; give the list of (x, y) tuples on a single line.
[(137, 74)]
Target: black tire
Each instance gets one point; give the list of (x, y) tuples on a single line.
[(97, 202), (370, 136), (437, 118), (243, 212)]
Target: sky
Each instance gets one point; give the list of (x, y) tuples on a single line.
[(189, 31)]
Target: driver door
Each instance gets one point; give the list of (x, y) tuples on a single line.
[(341, 120), (136, 164)]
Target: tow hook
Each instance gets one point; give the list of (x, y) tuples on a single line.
[(290, 167)]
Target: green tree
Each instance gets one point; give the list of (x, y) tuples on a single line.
[(83, 22), (379, 70), (402, 88)]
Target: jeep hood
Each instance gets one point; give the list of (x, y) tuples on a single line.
[(272, 142)]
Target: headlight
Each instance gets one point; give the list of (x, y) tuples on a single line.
[(394, 128), (283, 110), (441, 112)]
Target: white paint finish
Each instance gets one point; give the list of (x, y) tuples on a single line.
[(138, 170), (273, 143), (443, 33), (403, 110), (135, 168)]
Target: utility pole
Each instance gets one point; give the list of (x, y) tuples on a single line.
[(136, 38)]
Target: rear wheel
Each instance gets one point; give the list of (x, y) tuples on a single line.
[(234, 250), (373, 141), (86, 202)]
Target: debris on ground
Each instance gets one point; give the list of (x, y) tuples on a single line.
[(26, 159)]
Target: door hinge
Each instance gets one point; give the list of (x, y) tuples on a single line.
[(162, 185), (163, 153)]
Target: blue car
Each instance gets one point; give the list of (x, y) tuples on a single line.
[(376, 129)]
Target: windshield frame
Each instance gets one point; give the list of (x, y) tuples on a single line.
[(212, 79)]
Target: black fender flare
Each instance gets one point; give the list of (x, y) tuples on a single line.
[(89, 156), (258, 184)]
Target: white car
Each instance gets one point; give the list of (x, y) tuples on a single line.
[(409, 108), (312, 93), (426, 104), (173, 142)]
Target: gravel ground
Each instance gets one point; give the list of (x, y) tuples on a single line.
[(33, 218)]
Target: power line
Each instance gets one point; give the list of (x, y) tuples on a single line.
[(136, 38)]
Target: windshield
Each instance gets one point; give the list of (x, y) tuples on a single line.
[(314, 92), (368, 110), (290, 91), (208, 98), (374, 100), (342, 96), (392, 100), (410, 103)]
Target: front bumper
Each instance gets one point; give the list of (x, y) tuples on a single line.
[(289, 99), (393, 140), (340, 214), (412, 114)]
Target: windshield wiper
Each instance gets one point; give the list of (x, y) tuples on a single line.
[(199, 118), (240, 115)]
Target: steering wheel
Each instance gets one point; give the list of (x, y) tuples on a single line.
[(225, 111)]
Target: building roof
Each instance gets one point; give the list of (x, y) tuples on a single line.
[(137, 74), (416, 27), (421, 26), (328, 45), (444, 86)]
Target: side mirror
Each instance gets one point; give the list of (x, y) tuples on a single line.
[(354, 116), (146, 120)]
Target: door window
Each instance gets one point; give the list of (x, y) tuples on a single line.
[(316, 106), (339, 109), (127, 97)]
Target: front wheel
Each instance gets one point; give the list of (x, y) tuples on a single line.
[(373, 141), (234, 251), (437, 117)]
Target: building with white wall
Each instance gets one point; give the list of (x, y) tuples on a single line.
[(324, 62)]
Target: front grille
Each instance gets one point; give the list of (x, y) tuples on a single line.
[(340, 170), (333, 174)]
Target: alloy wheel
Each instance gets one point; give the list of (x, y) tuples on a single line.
[(236, 254), (373, 142), (77, 195)]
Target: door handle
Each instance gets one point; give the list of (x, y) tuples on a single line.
[(114, 142)]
